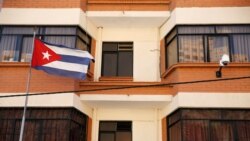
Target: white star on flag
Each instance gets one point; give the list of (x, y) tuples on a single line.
[(46, 55)]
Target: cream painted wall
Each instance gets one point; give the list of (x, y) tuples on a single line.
[(40, 16), (144, 122), (197, 15), (55, 100), (146, 50), (207, 100)]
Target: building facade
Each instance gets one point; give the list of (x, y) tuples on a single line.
[(154, 76)]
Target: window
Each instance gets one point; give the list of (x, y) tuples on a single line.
[(207, 43), (46, 124), (16, 41), (115, 131), (209, 125), (117, 59)]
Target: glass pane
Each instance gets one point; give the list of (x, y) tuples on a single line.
[(221, 131), (83, 35), (67, 41), (218, 45), (60, 30), (195, 130), (123, 136), (110, 47), (236, 114), (81, 45), (125, 63), (174, 117), (171, 35), (195, 29), (243, 130), (9, 51), (233, 29), (191, 49), (108, 126), (175, 132), (27, 49), (172, 53), (18, 30), (107, 137), (200, 114), (241, 48), (109, 64)]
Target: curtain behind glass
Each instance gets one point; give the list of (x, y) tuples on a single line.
[(195, 130), (68, 41), (175, 132), (218, 45), (221, 131), (243, 130), (241, 48), (191, 49), (8, 49), (27, 49)]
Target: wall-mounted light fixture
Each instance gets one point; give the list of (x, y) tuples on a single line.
[(224, 61)]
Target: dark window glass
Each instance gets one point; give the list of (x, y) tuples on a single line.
[(117, 59), (195, 29), (62, 124), (172, 53), (195, 130), (115, 131), (210, 125), (221, 131), (175, 132)]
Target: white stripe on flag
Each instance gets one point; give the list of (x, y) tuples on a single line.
[(68, 51), (68, 66)]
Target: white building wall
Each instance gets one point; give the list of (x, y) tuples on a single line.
[(144, 122), (146, 50), (52, 100), (47, 16)]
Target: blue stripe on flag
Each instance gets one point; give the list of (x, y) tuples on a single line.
[(75, 59), (61, 72)]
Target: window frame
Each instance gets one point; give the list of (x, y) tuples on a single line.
[(116, 52), (209, 115), (116, 130), (41, 34), (175, 34)]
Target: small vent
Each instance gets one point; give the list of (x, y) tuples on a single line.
[(125, 46)]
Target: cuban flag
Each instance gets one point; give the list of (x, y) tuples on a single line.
[(59, 60)]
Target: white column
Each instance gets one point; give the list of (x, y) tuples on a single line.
[(95, 125), (98, 56)]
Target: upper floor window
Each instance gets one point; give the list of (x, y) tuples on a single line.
[(117, 59), (16, 41), (207, 43)]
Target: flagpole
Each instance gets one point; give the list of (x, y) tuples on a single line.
[(27, 90)]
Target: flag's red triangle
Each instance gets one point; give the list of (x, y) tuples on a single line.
[(42, 54)]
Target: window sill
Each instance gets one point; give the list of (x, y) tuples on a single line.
[(202, 65), (112, 79)]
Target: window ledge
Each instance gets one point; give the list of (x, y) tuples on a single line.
[(14, 64), (120, 79), (202, 65)]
